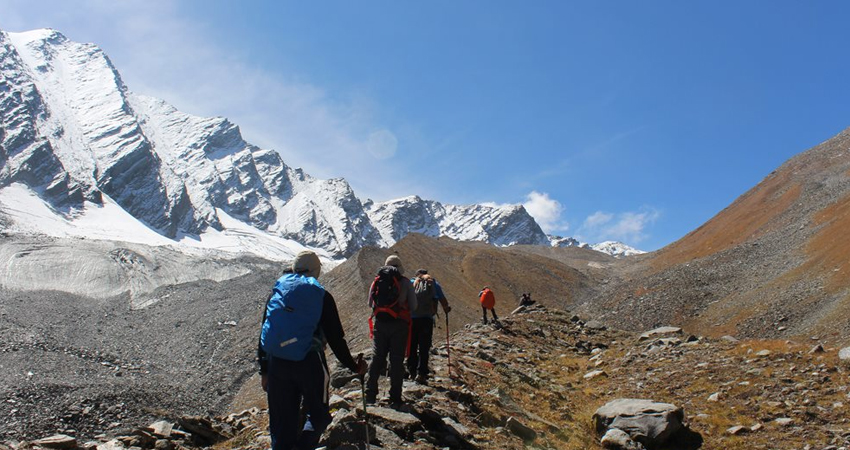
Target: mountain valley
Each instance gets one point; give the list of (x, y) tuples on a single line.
[(139, 245)]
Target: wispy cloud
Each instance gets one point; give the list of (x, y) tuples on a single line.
[(628, 227), (597, 219), (164, 54), (546, 211), (558, 168)]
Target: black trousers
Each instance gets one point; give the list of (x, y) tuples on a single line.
[(422, 334), (389, 339), (290, 383), (492, 311)]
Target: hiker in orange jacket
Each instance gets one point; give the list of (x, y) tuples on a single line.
[(488, 301)]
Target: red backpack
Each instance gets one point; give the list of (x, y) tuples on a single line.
[(384, 298)]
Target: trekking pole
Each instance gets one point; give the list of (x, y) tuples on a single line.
[(448, 347), (365, 414)]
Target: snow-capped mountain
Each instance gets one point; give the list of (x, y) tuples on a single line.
[(499, 225), (613, 248), (558, 241), (81, 155), (74, 134)]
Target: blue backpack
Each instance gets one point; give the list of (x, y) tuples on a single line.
[(292, 316)]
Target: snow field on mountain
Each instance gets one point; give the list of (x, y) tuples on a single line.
[(27, 214)]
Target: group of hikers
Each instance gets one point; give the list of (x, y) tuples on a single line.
[(301, 318)]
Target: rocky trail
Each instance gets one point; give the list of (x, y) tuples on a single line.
[(541, 380)]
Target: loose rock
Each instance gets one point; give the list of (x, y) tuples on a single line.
[(57, 441), (595, 374), (520, 429), (737, 430), (617, 439), (659, 332)]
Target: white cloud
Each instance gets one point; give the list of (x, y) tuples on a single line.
[(546, 211), (597, 219), (626, 227), (495, 205)]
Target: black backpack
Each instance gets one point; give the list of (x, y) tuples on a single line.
[(385, 292)]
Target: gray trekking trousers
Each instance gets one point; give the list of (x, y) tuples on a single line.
[(389, 339)]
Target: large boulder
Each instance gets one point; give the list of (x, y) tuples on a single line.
[(645, 421), (347, 426), (399, 422), (59, 441), (661, 331)]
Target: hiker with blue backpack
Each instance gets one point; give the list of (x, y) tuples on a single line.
[(428, 294), (300, 319), (391, 298)]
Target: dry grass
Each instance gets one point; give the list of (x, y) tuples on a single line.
[(829, 248), (250, 395), (743, 220), (462, 269), (246, 438), (752, 388), (742, 392)]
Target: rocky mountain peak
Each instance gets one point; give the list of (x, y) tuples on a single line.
[(76, 137)]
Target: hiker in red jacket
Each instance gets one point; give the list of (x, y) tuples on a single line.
[(391, 298), (488, 302)]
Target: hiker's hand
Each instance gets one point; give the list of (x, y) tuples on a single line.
[(447, 309), (264, 382), (361, 365)]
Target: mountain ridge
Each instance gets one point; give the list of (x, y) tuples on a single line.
[(74, 133), (771, 264)]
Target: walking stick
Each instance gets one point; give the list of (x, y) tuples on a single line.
[(365, 414), (448, 347)]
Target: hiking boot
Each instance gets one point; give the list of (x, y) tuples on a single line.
[(371, 400), (422, 379)]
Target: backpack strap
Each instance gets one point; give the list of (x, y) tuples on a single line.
[(391, 309)]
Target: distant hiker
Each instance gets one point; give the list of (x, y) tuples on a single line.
[(301, 317), (525, 300), (488, 302), (391, 298), (428, 294)]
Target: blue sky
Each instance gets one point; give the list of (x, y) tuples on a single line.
[(623, 120)]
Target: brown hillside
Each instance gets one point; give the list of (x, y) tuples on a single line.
[(462, 269), (771, 264), (551, 371), (556, 278)]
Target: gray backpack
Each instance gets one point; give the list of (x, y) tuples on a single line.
[(425, 291)]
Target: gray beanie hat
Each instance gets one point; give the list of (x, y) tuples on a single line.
[(307, 263), (395, 261)]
